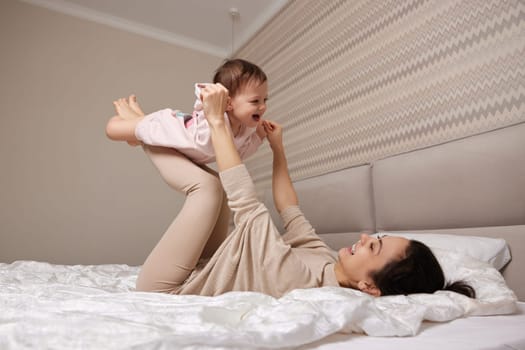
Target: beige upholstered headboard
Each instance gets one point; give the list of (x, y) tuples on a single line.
[(470, 186)]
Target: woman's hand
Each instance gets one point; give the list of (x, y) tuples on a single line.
[(214, 99), (274, 133), (260, 131)]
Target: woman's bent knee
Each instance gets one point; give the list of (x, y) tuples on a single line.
[(212, 185)]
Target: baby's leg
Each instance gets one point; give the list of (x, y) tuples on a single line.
[(119, 129), (178, 251)]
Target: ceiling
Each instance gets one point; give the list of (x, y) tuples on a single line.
[(203, 25)]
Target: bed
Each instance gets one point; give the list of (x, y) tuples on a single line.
[(464, 198)]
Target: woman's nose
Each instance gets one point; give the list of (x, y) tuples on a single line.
[(364, 237)]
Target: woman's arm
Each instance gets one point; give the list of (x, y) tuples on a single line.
[(215, 99), (284, 194)]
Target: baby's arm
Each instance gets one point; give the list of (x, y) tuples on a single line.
[(253, 143)]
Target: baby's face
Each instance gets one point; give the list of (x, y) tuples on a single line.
[(249, 104)]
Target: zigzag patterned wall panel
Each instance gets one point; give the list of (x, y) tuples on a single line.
[(353, 81)]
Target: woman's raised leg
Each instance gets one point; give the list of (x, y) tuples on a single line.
[(221, 229), (202, 222)]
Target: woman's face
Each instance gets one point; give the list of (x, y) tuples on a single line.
[(369, 254)]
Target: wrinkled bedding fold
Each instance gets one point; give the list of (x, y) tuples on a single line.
[(95, 306)]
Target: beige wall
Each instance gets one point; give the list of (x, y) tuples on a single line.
[(359, 80), (68, 194)]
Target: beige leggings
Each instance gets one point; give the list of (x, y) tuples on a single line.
[(197, 231)]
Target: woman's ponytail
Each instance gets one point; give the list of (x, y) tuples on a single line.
[(461, 288)]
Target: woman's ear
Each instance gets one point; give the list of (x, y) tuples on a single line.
[(369, 287)]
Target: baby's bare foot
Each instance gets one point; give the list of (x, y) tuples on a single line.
[(124, 110), (135, 105), (134, 143)]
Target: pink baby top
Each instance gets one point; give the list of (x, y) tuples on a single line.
[(190, 134)]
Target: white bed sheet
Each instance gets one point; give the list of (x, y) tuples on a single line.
[(505, 332), (94, 307)]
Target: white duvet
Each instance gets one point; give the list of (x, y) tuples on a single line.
[(44, 306)]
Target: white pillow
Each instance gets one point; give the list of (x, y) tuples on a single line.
[(493, 251)]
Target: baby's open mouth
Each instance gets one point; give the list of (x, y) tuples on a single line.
[(256, 117)]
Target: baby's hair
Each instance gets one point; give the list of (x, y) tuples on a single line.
[(235, 73)]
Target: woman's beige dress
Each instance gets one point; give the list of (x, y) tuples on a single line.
[(255, 257)]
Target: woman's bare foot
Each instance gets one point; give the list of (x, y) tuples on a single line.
[(124, 109), (135, 105)]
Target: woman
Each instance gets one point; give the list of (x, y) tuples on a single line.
[(255, 257)]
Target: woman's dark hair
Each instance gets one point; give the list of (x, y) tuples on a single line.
[(235, 73), (418, 272)]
